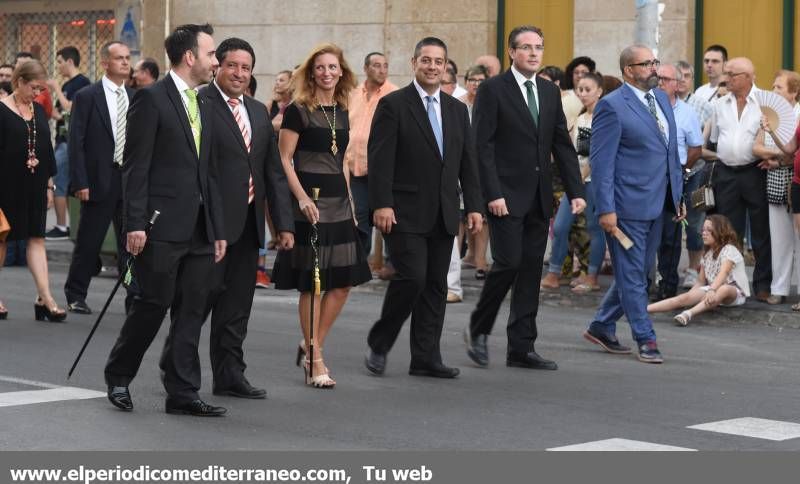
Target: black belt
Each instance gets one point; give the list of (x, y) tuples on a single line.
[(738, 168)]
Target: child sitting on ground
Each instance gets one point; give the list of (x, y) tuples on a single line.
[(722, 280)]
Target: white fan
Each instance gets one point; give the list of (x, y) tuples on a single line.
[(779, 113)]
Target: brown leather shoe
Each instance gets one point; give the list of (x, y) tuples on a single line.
[(762, 296)]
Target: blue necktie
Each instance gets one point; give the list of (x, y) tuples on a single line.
[(437, 130)]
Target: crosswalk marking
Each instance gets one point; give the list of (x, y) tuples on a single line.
[(11, 399), (624, 445), (30, 383), (758, 428)]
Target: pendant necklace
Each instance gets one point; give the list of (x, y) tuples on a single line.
[(32, 161), (334, 148)]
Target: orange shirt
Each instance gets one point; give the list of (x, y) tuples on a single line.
[(360, 113)]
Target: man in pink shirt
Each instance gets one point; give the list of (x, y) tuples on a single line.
[(363, 101)]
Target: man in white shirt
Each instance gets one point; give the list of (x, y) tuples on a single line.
[(714, 59), (739, 183)]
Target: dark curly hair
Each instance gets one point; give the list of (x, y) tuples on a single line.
[(578, 61), (723, 233)]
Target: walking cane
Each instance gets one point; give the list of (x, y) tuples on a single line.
[(126, 277), (315, 286)]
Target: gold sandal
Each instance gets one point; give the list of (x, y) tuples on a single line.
[(322, 381)]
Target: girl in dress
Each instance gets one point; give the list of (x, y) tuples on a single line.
[(312, 142), (722, 280)]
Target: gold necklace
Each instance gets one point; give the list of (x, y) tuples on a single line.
[(334, 148)]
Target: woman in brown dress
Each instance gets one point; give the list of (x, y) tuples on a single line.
[(27, 167), (312, 142)]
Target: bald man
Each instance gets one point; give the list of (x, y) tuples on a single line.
[(740, 184), (491, 62)]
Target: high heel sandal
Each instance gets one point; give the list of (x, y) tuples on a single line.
[(322, 381), (42, 312), (301, 354)]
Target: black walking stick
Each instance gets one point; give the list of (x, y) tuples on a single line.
[(124, 277), (315, 286)]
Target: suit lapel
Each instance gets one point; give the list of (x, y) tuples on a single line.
[(222, 107), (668, 113), (520, 104), (639, 108), (449, 128), (102, 107), (177, 103), (418, 111)]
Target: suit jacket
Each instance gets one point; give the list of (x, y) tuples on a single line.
[(514, 153), (234, 164), (91, 144), (162, 170), (635, 173), (407, 172)]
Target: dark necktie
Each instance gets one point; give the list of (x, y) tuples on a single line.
[(532, 102), (651, 104)]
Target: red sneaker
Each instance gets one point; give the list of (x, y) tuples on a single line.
[(262, 279)]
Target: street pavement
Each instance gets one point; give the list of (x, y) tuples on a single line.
[(736, 378)]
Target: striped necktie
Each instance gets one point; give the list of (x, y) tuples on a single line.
[(237, 115), (122, 122), (651, 105)]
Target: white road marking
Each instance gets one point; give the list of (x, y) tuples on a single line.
[(29, 397), (22, 381), (620, 445), (758, 428)]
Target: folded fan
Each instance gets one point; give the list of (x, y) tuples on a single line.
[(779, 113)]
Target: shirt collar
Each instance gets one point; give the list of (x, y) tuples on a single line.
[(639, 93), (520, 78), (423, 94), (179, 82), (109, 84), (225, 96), (751, 96)]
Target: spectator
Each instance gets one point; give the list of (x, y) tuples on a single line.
[(491, 63), (458, 91), (449, 81), (685, 94), (714, 59), (738, 180), (784, 240), (68, 61), (690, 143), (5, 89), (43, 98), (6, 70), (145, 72), (577, 68), (252, 86), (553, 74), (722, 280), (611, 84), (281, 97)]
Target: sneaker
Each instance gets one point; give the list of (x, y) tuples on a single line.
[(610, 344), (648, 353), (57, 234), (262, 279), (691, 278)]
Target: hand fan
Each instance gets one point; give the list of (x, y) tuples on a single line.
[(779, 113)]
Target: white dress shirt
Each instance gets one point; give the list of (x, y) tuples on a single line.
[(437, 106), (242, 108), (110, 90), (735, 135), (521, 83), (707, 92), (662, 118)]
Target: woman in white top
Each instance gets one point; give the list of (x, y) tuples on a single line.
[(722, 280)]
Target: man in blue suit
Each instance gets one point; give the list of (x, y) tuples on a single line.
[(636, 174)]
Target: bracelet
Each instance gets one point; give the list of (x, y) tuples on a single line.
[(51, 187)]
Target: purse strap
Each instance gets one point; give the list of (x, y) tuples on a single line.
[(711, 174)]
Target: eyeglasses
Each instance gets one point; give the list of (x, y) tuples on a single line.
[(529, 48), (447, 83), (666, 79), (733, 74), (649, 64), (722, 84), (472, 80)]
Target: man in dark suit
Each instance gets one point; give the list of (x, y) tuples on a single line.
[(167, 168), (420, 147), (636, 175), (519, 124), (96, 143), (246, 154)]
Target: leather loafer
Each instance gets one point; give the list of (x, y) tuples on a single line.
[(79, 307), (611, 345), (242, 389), (120, 397), (197, 408), (476, 348), (435, 370), (530, 360), (375, 362)]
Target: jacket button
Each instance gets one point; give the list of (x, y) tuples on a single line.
[(537, 168)]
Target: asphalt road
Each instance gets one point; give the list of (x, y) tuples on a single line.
[(713, 372)]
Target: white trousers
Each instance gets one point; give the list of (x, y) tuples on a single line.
[(454, 273), (785, 250)]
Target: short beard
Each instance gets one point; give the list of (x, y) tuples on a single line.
[(652, 81)]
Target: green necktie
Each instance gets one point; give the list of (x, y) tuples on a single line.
[(532, 102), (194, 116)]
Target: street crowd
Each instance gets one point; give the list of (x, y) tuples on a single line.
[(200, 180)]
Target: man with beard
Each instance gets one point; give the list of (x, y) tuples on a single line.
[(166, 167), (636, 175)]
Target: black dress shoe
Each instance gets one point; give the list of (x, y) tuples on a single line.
[(242, 389), (120, 397), (198, 408), (476, 348), (79, 307), (530, 360), (436, 370), (608, 344), (375, 362)]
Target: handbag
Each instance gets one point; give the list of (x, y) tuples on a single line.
[(702, 199), (778, 181), (5, 227)]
